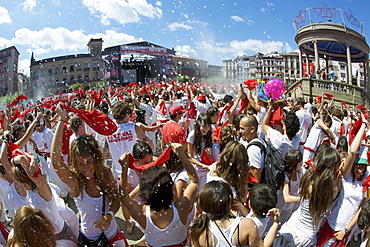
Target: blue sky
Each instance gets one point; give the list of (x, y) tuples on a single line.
[(210, 30)]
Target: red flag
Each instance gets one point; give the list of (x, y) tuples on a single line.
[(353, 131), (243, 104), (362, 108), (16, 100), (131, 84), (343, 104), (251, 84), (277, 116), (160, 161), (163, 108), (98, 121), (329, 96), (366, 184)]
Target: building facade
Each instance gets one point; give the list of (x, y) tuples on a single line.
[(8, 70), (52, 75)]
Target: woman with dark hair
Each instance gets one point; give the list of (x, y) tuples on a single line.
[(288, 197), (200, 140), (163, 217), (232, 167), (32, 228), (352, 195), (301, 228), (90, 183), (217, 226)]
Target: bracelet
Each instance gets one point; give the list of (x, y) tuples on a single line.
[(204, 166), (111, 213), (346, 230), (366, 124)]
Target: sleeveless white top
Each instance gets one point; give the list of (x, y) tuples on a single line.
[(122, 141), (16, 200), (300, 226), (90, 209), (174, 233), (347, 203), (226, 233), (261, 223), (49, 208)]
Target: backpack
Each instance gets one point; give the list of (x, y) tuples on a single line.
[(273, 172)]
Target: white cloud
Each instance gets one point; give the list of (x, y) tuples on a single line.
[(176, 25), (4, 15), (24, 66), (48, 39), (123, 11), (263, 9), (185, 50), (250, 22), (28, 5), (158, 3), (237, 18)]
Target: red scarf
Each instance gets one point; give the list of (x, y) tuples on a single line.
[(160, 161)]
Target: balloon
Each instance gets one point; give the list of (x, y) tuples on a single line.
[(274, 89)]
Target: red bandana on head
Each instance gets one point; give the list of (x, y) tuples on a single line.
[(160, 161)]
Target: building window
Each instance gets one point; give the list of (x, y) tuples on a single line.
[(79, 78), (86, 67), (57, 71), (64, 69), (71, 68), (42, 72), (96, 66), (86, 77), (50, 71), (64, 79), (36, 75), (78, 66), (72, 80)]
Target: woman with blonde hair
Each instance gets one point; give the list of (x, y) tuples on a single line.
[(91, 184), (31, 228)]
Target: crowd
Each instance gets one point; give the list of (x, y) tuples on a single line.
[(189, 164)]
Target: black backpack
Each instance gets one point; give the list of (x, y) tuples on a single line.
[(273, 171)]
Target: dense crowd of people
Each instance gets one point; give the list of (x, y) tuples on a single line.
[(189, 164)]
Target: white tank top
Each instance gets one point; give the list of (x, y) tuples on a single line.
[(227, 236), (16, 200), (90, 209), (174, 233), (122, 141), (261, 223), (49, 208)]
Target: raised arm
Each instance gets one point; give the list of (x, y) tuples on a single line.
[(135, 210), (265, 121), (26, 137), (346, 168), (253, 102), (60, 167), (31, 168), (187, 201)]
